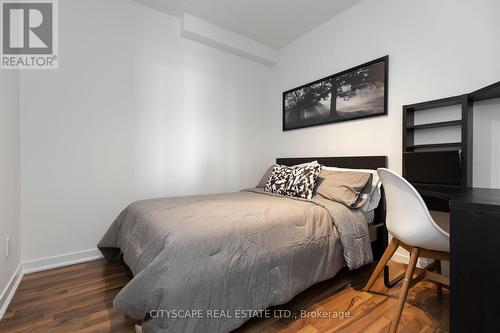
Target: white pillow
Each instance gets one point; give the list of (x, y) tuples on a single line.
[(374, 195), (313, 163)]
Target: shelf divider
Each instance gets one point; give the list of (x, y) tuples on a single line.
[(436, 125), (436, 145)]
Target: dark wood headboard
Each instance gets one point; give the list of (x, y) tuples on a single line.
[(352, 162), (355, 162)]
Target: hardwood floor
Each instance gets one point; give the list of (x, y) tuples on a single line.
[(79, 298)]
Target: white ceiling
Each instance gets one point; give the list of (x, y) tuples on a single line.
[(272, 22)]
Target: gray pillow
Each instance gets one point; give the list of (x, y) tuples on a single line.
[(344, 187), (265, 177)]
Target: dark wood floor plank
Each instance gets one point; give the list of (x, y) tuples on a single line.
[(79, 298)]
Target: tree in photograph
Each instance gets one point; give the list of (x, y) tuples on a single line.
[(347, 85), (301, 100)]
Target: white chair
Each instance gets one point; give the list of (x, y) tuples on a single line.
[(409, 222)]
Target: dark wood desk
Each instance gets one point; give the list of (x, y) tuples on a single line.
[(474, 254)]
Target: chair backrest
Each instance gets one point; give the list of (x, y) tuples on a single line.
[(408, 218)]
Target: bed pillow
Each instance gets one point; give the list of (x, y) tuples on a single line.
[(278, 180), (344, 187), (265, 177), (303, 180), (296, 181), (373, 195), (306, 164)]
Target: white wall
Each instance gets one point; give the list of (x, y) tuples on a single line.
[(134, 111), (9, 176), (437, 49), (486, 150)]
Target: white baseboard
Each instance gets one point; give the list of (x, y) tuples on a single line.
[(10, 290), (43, 264), (403, 258), (422, 262), (67, 259)]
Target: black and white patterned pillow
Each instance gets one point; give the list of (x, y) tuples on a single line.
[(279, 179), (303, 181), (298, 181)]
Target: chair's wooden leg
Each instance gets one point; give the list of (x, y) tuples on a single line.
[(404, 290), (389, 251), (438, 285)]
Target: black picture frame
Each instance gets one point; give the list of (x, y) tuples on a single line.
[(360, 75)]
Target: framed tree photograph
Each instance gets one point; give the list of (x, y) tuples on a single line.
[(356, 93)]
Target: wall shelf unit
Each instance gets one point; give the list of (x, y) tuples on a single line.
[(412, 130)]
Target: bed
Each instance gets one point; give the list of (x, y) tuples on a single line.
[(208, 263)]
